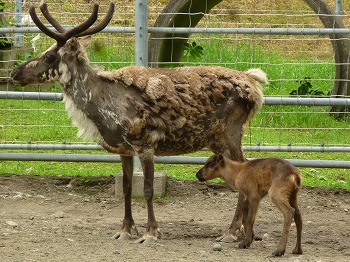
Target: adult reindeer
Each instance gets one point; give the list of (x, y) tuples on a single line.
[(138, 111)]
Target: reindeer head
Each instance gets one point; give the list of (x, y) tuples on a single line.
[(47, 67), (212, 168)]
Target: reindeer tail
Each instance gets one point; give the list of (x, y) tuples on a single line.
[(258, 75), (297, 180), (257, 95)]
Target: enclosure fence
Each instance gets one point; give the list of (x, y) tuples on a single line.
[(306, 107)]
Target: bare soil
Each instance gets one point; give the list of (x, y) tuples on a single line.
[(73, 219)]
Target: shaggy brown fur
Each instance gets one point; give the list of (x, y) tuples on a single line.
[(138, 111), (255, 179)]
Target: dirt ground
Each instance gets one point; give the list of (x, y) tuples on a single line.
[(60, 219)]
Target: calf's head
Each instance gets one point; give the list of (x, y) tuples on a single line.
[(46, 67), (212, 168)]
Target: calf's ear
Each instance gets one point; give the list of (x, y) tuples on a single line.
[(221, 159)]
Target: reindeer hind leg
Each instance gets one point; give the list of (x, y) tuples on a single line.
[(281, 199), (298, 222)]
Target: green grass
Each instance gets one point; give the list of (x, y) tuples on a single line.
[(47, 122)]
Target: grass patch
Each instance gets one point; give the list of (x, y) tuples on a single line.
[(47, 121)]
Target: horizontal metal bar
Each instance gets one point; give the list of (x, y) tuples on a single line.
[(198, 30), (33, 30), (31, 95), (307, 101), (82, 147), (315, 149), (255, 31), (52, 147), (158, 160)]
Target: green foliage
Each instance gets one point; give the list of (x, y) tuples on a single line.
[(192, 51), (47, 121), (4, 43), (306, 89)]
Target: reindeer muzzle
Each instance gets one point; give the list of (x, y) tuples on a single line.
[(200, 176)]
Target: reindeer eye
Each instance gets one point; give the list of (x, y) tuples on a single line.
[(49, 57), (211, 164)]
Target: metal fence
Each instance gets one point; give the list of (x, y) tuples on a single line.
[(289, 43)]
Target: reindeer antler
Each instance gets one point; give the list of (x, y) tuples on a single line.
[(62, 35)]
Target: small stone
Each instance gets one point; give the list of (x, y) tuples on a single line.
[(59, 214), (18, 195), (203, 254), (265, 237), (12, 223), (217, 247)]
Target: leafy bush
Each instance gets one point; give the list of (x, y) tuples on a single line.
[(306, 89)]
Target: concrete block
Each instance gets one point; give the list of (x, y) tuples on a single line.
[(137, 184)]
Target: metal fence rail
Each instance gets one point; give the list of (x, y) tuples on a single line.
[(141, 59), (302, 101), (158, 160), (169, 160)]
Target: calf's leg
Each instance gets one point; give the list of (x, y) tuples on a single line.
[(299, 225), (282, 203), (249, 222)]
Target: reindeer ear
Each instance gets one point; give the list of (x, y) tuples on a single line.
[(85, 41), (221, 159), (72, 46)]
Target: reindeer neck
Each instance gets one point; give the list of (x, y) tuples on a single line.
[(231, 170), (77, 79)]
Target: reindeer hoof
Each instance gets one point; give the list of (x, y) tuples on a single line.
[(146, 239), (122, 236), (297, 251), (227, 238), (244, 244), (278, 253)]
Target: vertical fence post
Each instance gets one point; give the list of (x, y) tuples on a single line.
[(141, 45), (141, 32), (18, 18), (338, 7)]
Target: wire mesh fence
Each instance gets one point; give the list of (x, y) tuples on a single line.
[(298, 65)]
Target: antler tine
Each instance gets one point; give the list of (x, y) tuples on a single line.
[(85, 25), (104, 22), (50, 19), (57, 36)]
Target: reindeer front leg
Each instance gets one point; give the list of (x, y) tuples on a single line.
[(128, 222), (235, 230), (235, 123), (147, 163)]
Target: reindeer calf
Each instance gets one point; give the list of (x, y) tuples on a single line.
[(255, 179)]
